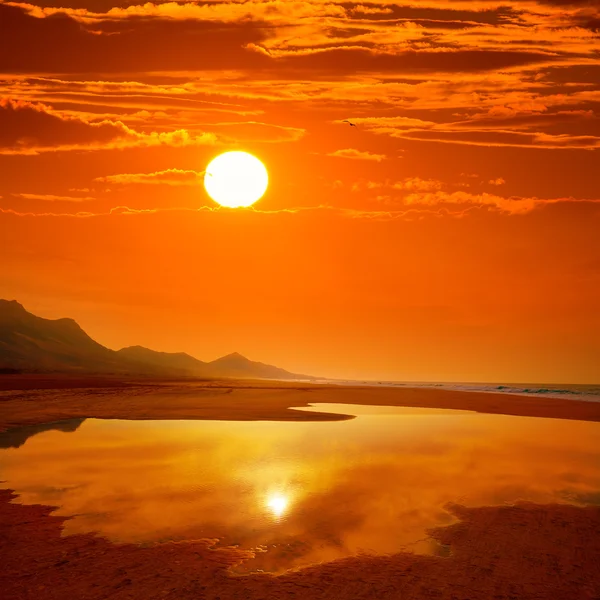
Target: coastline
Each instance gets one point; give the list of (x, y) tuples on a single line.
[(34, 400), (541, 390), (485, 552)]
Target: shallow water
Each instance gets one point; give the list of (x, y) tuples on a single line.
[(299, 492)]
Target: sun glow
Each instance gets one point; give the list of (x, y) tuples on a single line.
[(236, 179), (278, 504)]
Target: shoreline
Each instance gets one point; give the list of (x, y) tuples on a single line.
[(35, 400), (513, 389), (522, 550)]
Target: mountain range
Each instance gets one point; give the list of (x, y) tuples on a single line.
[(32, 344)]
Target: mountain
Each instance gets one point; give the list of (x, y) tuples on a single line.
[(236, 365), (165, 360), (31, 344)]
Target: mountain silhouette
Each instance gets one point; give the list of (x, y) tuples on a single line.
[(179, 361), (236, 365), (31, 344)]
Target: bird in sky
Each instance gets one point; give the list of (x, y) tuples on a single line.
[(351, 124)]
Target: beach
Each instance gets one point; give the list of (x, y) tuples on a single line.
[(506, 551), (31, 400)]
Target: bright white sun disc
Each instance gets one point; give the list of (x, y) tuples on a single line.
[(236, 179)]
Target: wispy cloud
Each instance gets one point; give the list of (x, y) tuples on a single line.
[(32, 128), (357, 155), (414, 184), (526, 133), (412, 206), (54, 197), (174, 177)]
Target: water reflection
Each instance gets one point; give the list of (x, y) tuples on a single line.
[(278, 504), (300, 492), (15, 438)]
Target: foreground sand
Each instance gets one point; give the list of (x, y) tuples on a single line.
[(525, 551), (521, 552)]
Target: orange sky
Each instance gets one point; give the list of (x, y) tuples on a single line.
[(452, 235)]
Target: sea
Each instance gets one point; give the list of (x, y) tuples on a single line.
[(582, 392)]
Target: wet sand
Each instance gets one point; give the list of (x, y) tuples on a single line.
[(516, 552), (31, 400), (524, 551)]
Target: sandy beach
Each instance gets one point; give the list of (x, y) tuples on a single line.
[(513, 552), (31, 400)]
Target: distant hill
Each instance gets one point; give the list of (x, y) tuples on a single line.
[(236, 365), (165, 360), (31, 344)]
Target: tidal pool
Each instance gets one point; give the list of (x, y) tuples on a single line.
[(297, 492)]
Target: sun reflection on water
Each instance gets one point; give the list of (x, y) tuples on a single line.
[(278, 504), (277, 487)]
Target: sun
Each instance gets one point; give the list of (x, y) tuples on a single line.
[(236, 179)]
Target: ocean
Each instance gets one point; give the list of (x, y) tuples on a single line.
[(585, 392)]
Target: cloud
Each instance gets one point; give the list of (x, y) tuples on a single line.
[(54, 198), (174, 177), (482, 58), (272, 10), (357, 155), (370, 215), (415, 206), (58, 40), (514, 205), (408, 184), (362, 9), (417, 184), (256, 131), (523, 131), (419, 194), (525, 116), (261, 35), (502, 138), (498, 74), (27, 127), (32, 128)]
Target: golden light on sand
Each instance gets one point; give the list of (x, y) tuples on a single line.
[(236, 179), (278, 504)]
